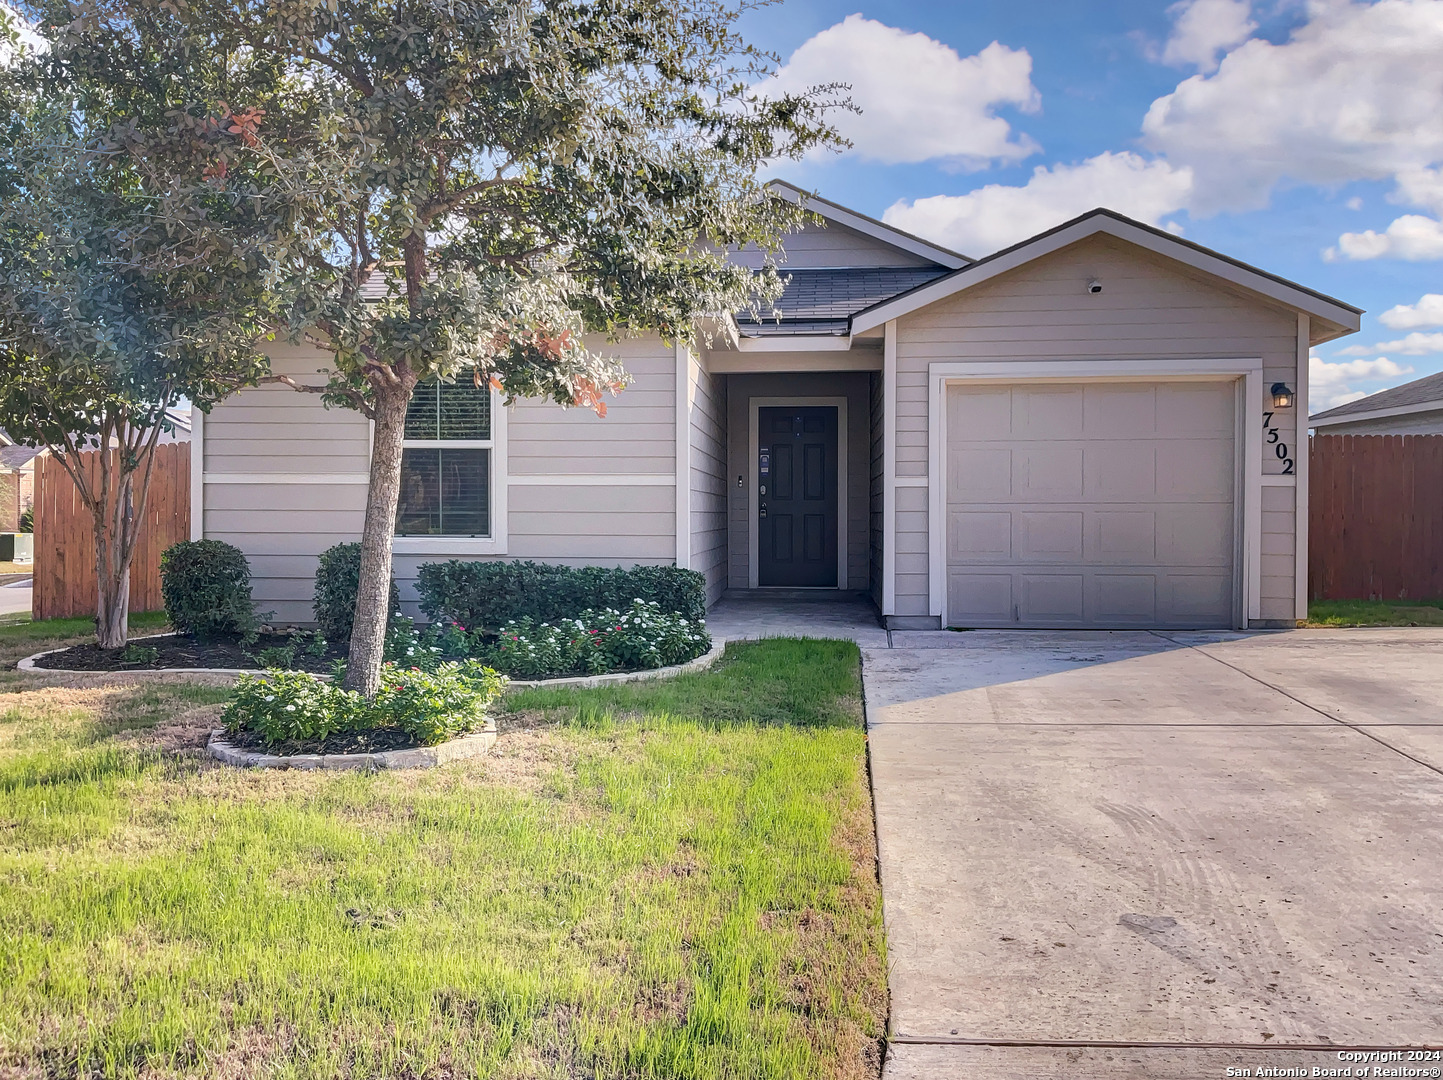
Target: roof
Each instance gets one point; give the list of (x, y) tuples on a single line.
[(869, 226), (1341, 318), (1420, 395), (822, 301), (17, 457)]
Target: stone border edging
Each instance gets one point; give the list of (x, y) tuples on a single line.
[(580, 681), (417, 757), (706, 660)]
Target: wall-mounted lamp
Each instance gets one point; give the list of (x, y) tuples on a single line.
[(1282, 396)]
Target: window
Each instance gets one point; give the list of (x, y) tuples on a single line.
[(446, 462)]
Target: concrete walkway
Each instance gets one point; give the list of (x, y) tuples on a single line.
[(15, 596), (850, 620), (1125, 854)]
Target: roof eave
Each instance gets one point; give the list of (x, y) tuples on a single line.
[(1338, 318), (1332, 416), (869, 226)]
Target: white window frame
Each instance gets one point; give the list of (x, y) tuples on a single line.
[(495, 544)]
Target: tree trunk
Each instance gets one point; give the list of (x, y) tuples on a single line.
[(113, 524), (373, 596)]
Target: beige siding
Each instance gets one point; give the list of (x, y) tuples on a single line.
[(833, 245), (270, 433), (1429, 423), (1150, 308), (854, 386), (708, 412)]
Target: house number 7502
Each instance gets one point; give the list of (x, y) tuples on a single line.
[(1275, 440)]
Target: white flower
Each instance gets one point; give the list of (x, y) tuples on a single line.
[(290, 708), (270, 697)]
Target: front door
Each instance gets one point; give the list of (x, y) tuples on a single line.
[(797, 497)]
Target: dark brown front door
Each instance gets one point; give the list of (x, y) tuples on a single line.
[(797, 497)]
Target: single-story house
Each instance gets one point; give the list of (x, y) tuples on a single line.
[(1415, 408), (1102, 426)]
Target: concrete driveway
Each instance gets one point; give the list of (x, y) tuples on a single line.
[(15, 595), (1113, 854)]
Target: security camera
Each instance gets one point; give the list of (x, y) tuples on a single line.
[(1094, 286)]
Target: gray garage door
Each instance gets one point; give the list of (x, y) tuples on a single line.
[(1091, 505)]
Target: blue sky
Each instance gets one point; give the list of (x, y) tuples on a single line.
[(1305, 136)]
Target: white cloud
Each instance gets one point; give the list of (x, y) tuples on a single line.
[(1355, 93), (1331, 385), (1204, 28), (1414, 344), (920, 100), (992, 217), (1428, 311), (1421, 187), (1412, 237), (1355, 203)]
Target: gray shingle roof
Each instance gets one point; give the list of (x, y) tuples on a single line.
[(1426, 390), (16, 457), (822, 301)]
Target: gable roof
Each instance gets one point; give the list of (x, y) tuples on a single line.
[(1420, 395), (823, 301), (868, 226), (1338, 318), (14, 457)]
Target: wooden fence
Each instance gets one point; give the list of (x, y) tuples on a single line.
[(65, 541), (1375, 517)]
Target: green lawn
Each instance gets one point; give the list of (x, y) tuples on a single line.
[(659, 880), (1375, 613)]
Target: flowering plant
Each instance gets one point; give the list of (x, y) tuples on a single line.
[(599, 640), (289, 706)]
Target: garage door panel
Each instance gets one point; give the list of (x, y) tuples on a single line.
[(984, 415), (1052, 598), (1197, 596), (1119, 471), (1123, 537), (978, 475), (1048, 536), (1048, 472), (1125, 599), (1185, 409), (979, 536), (1195, 469), (1120, 412), (987, 598), (1047, 412), (1129, 523), (1195, 535)]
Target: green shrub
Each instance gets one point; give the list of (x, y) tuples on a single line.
[(433, 706), (641, 637), (488, 595), (338, 577), (206, 586), (27, 520), (286, 706), (430, 707)]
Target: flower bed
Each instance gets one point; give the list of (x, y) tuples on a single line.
[(596, 642), (292, 712)]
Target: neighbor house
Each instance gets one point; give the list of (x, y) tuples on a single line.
[(1102, 426), (17, 481), (1415, 408)]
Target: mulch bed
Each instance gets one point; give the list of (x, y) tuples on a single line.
[(176, 651), (343, 742)]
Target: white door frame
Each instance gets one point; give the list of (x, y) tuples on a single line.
[(1248, 448), (754, 405)]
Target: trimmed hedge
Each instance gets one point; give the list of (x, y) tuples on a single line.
[(338, 579), (206, 587), (488, 595)]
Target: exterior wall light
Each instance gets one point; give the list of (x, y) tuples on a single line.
[(1282, 396)]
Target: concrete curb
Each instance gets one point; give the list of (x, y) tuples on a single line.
[(580, 681), (419, 757)]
